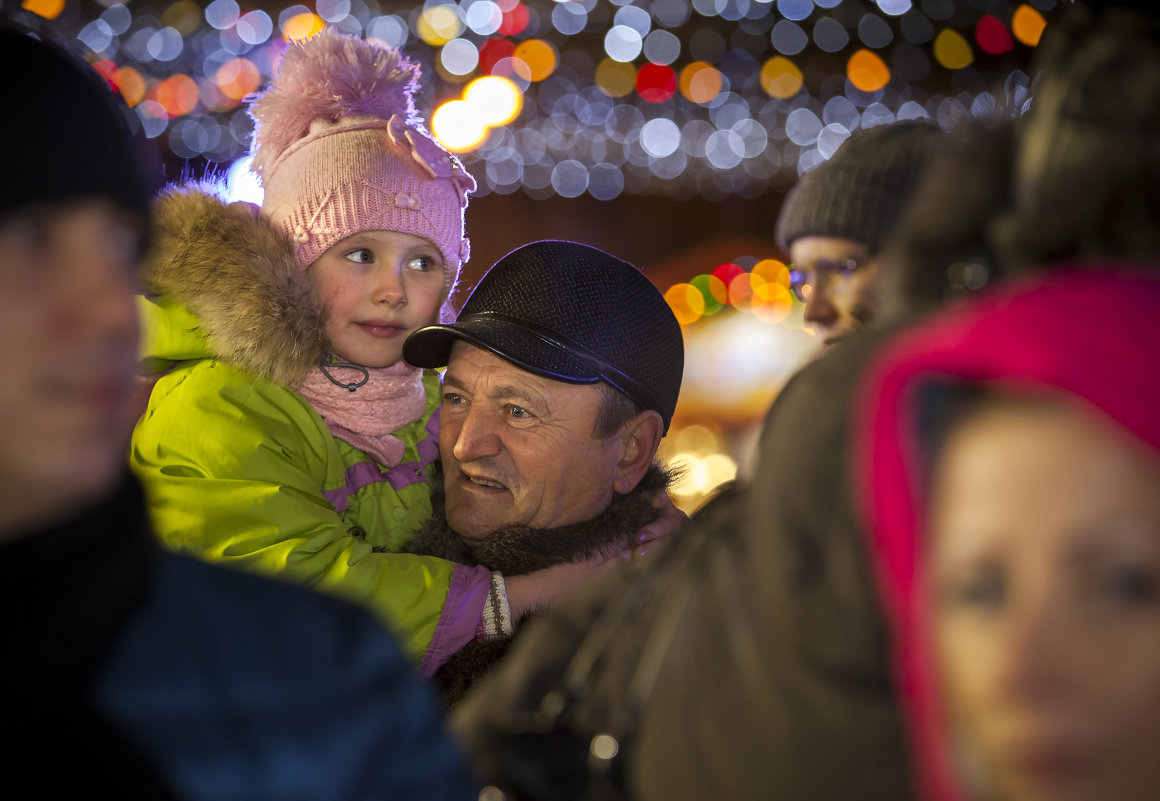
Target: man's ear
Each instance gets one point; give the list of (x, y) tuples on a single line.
[(640, 438)]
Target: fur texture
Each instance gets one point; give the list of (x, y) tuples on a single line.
[(330, 76), (523, 549), (238, 275)]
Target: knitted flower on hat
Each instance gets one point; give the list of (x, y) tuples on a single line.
[(340, 148)]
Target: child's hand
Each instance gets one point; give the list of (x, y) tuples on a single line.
[(657, 534), (530, 592)]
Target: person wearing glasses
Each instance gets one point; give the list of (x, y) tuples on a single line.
[(836, 218)]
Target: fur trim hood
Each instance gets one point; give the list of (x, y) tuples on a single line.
[(236, 274)]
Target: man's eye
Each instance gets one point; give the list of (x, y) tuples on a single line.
[(519, 412), (360, 256), (453, 398)]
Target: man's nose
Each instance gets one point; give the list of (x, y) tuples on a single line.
[(820, 309), (478, 435)]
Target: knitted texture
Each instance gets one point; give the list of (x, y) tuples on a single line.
[(859, 193), (573, 313), (339, 149), (43, 157)]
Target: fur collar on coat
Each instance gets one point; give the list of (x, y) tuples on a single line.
[(237, 274), (522, 549)]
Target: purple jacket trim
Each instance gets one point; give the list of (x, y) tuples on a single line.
[(461, 613), (361, 474)]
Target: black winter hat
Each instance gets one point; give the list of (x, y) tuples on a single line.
[(66, 134), (572, 313), (859, 193)]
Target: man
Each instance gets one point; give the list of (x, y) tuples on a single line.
[(563, 370), (130, 672), (836, 218)]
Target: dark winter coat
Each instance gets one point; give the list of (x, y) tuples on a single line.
[(748, 662), (132, 673)]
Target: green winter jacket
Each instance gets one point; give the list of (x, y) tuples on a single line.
[(239, 468)]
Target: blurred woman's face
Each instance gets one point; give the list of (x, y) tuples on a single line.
[(1044, 577)]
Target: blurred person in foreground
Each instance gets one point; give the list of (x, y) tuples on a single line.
[(130, 672), (1011, 460), (838, 216)]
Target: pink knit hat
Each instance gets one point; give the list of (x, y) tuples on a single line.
[(340, 149)]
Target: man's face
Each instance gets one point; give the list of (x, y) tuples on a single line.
[(838, 277), (68, 342), (518, 449)]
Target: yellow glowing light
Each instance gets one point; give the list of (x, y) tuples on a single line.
[(772, 303), (49, 9), (719, 468), (183, 16), (740, 288), (302, 26), (177, 94), (438, 25), (686, 301), (539, 56), (615, 78), (131, 84), (496, 100), (237, 78), (1028, 25), (458, 125), (696, 438), (768, 271), (952, 50), (700, 82), (691, 472), (781, 78), (867, 71), (718, 290)]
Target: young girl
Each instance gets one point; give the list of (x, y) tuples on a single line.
[(285, 434)]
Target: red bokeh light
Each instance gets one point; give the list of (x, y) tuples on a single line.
[(993, 36), (656, 83)]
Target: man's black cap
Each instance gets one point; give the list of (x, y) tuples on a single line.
[(572, 313)]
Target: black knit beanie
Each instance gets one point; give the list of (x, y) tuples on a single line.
[(860, 191), (65, 134)]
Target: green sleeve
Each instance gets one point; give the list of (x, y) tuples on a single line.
[(234, 468)]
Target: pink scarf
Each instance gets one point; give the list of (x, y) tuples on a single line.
[(391, 397)]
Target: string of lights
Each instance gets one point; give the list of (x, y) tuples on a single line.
[(597, 97)]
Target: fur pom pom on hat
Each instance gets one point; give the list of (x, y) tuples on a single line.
[(340, 149), (860, 192)]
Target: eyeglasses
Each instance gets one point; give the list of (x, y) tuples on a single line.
[(803, 280)]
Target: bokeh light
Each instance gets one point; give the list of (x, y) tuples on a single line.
[(49, 9), (656, 83), (1027, 24), (952, 51), (867, 71), (715, 98), (781, 78), (301, 26)]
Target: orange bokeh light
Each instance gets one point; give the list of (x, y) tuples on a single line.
[(867, 71), (177, 94), (237, 78)]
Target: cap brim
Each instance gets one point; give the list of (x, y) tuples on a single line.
[(431, 347)]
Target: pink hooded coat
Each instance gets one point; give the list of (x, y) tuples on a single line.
[(1093, 334)]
